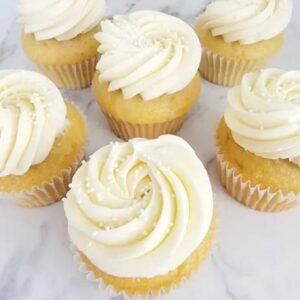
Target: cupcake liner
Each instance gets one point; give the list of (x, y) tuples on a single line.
[(90, 271), (71, 76), (226, 71), (126, 130), (253, 196), (48, 192)]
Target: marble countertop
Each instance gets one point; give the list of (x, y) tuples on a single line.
[(256, 255)]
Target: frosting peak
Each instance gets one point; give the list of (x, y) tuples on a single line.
[(147, 53), (138, 203), (32, 114), (264, 113), (247, 21), (62, 20)]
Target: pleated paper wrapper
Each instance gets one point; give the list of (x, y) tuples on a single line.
[(90, 272), (126, 130), (253, 196), (71, 76), (226, 71), (48, 192)]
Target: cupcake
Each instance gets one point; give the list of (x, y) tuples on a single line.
[(140, 215), (240, 36), (258, 141), (146, 80), (59, 37), (42, 139)]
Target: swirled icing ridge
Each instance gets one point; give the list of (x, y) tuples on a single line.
[(147, 53), (32, 114), (61, 20), (247, 21), (139, 209)]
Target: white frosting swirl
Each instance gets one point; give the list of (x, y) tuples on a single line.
[(61, 20), (247, 21), (140, 208), (147, 53), (264, 113), (32, 114)]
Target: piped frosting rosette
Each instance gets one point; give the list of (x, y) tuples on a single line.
[(32, 115), (140, 208), (62, 20), (247, 21), (147, 53), (264, 114)]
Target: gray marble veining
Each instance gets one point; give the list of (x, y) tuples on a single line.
[(256, 255)]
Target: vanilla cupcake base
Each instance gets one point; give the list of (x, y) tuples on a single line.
[(226, 71), (136, 117), (127, 130), (48, 192), (70, 64), (140, 288), (253, 196)]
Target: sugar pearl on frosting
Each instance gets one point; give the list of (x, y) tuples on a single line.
[(95, 233)]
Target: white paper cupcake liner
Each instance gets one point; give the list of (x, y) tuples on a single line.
[(226, 71), (71, 76), (253, 196), (126, 130)]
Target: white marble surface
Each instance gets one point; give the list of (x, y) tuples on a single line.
[(256, 255)]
